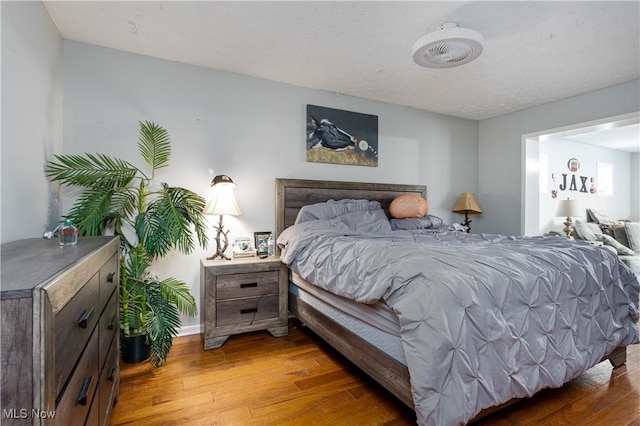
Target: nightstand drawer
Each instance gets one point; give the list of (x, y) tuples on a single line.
[(235, 286), (246, 310)]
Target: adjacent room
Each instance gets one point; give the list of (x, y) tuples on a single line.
[(320, 212)]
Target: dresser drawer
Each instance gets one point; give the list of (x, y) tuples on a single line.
[(109, 382), (246, 310), (235, 286), (107, 328), (73, 327), (73, 405), (109, 275)]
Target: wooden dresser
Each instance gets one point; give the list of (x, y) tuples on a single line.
[(60, 334), (241, 295)]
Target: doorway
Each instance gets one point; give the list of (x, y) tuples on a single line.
[(605, 132)]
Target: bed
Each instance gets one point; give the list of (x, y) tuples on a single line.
[(392, 372)]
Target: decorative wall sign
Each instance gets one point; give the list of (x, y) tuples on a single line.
[(573, 182), (341, 137)]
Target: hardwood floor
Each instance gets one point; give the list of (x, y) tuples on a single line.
[(256, 379)]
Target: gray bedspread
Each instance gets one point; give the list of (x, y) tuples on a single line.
[(484, 318)]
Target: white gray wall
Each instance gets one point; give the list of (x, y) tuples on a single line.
[(251, 129), (635, 187), (501, 149), (31, 118)]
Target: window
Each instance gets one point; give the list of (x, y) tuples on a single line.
[(604, 180)]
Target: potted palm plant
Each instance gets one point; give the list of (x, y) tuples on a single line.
[(151, 220)]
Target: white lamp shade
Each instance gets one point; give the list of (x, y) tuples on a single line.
[(569, 208), (223, 201)]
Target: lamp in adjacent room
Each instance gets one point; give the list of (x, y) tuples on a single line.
[(568, 209), (222, 202), (467, 204)]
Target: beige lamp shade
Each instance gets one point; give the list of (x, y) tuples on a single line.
[(467, 203), (568, 208), (223, 200)]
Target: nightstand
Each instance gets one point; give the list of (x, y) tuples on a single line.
[(241, 295)]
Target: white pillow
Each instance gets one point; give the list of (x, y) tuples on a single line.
[(598, 216), (583, 232), (622, 249)]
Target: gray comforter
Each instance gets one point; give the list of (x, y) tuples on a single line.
[(484, 318)]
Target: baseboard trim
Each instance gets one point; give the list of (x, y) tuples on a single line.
[(190, 329)]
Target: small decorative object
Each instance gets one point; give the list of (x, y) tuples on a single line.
[(593, 189), (568, 208), (223, 201), (341, 137), (68, 234), (573, 164), (262, 242), (242, 247), (467, 204), (554, 191)]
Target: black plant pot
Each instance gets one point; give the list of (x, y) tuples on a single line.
[(134, 349)]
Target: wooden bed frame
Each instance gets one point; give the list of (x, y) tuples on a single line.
[(293, 194)]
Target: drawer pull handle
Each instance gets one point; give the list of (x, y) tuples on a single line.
[(248, 311), (84, 391), (85, 318), (111, 322), (111, 373), (248, 285), (110, 277)]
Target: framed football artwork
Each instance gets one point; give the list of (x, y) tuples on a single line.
[(341, 137)]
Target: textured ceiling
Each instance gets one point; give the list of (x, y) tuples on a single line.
[(534, 52)]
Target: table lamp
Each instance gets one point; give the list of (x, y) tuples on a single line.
[(467, 204), (568, 209), (223, 201)]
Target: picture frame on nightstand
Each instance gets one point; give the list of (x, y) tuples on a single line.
[(242, 247), (262, 242)]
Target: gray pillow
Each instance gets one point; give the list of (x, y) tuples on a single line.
[(371, 221), (610, 241), (332, 209), (583, 232), (426, 222), (620, 234), (633, 235)]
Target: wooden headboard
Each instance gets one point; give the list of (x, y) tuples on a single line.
[(293, 194)]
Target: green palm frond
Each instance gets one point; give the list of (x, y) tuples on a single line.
[(101, 206), (162, 324), (177, 292), (90, 170), (191, 206), (170, 221), (90, 209), (152, 233), (154, 145)]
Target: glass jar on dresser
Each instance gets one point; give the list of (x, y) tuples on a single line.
[(60, 332)]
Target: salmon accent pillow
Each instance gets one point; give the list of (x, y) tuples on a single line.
[(408, 205)]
